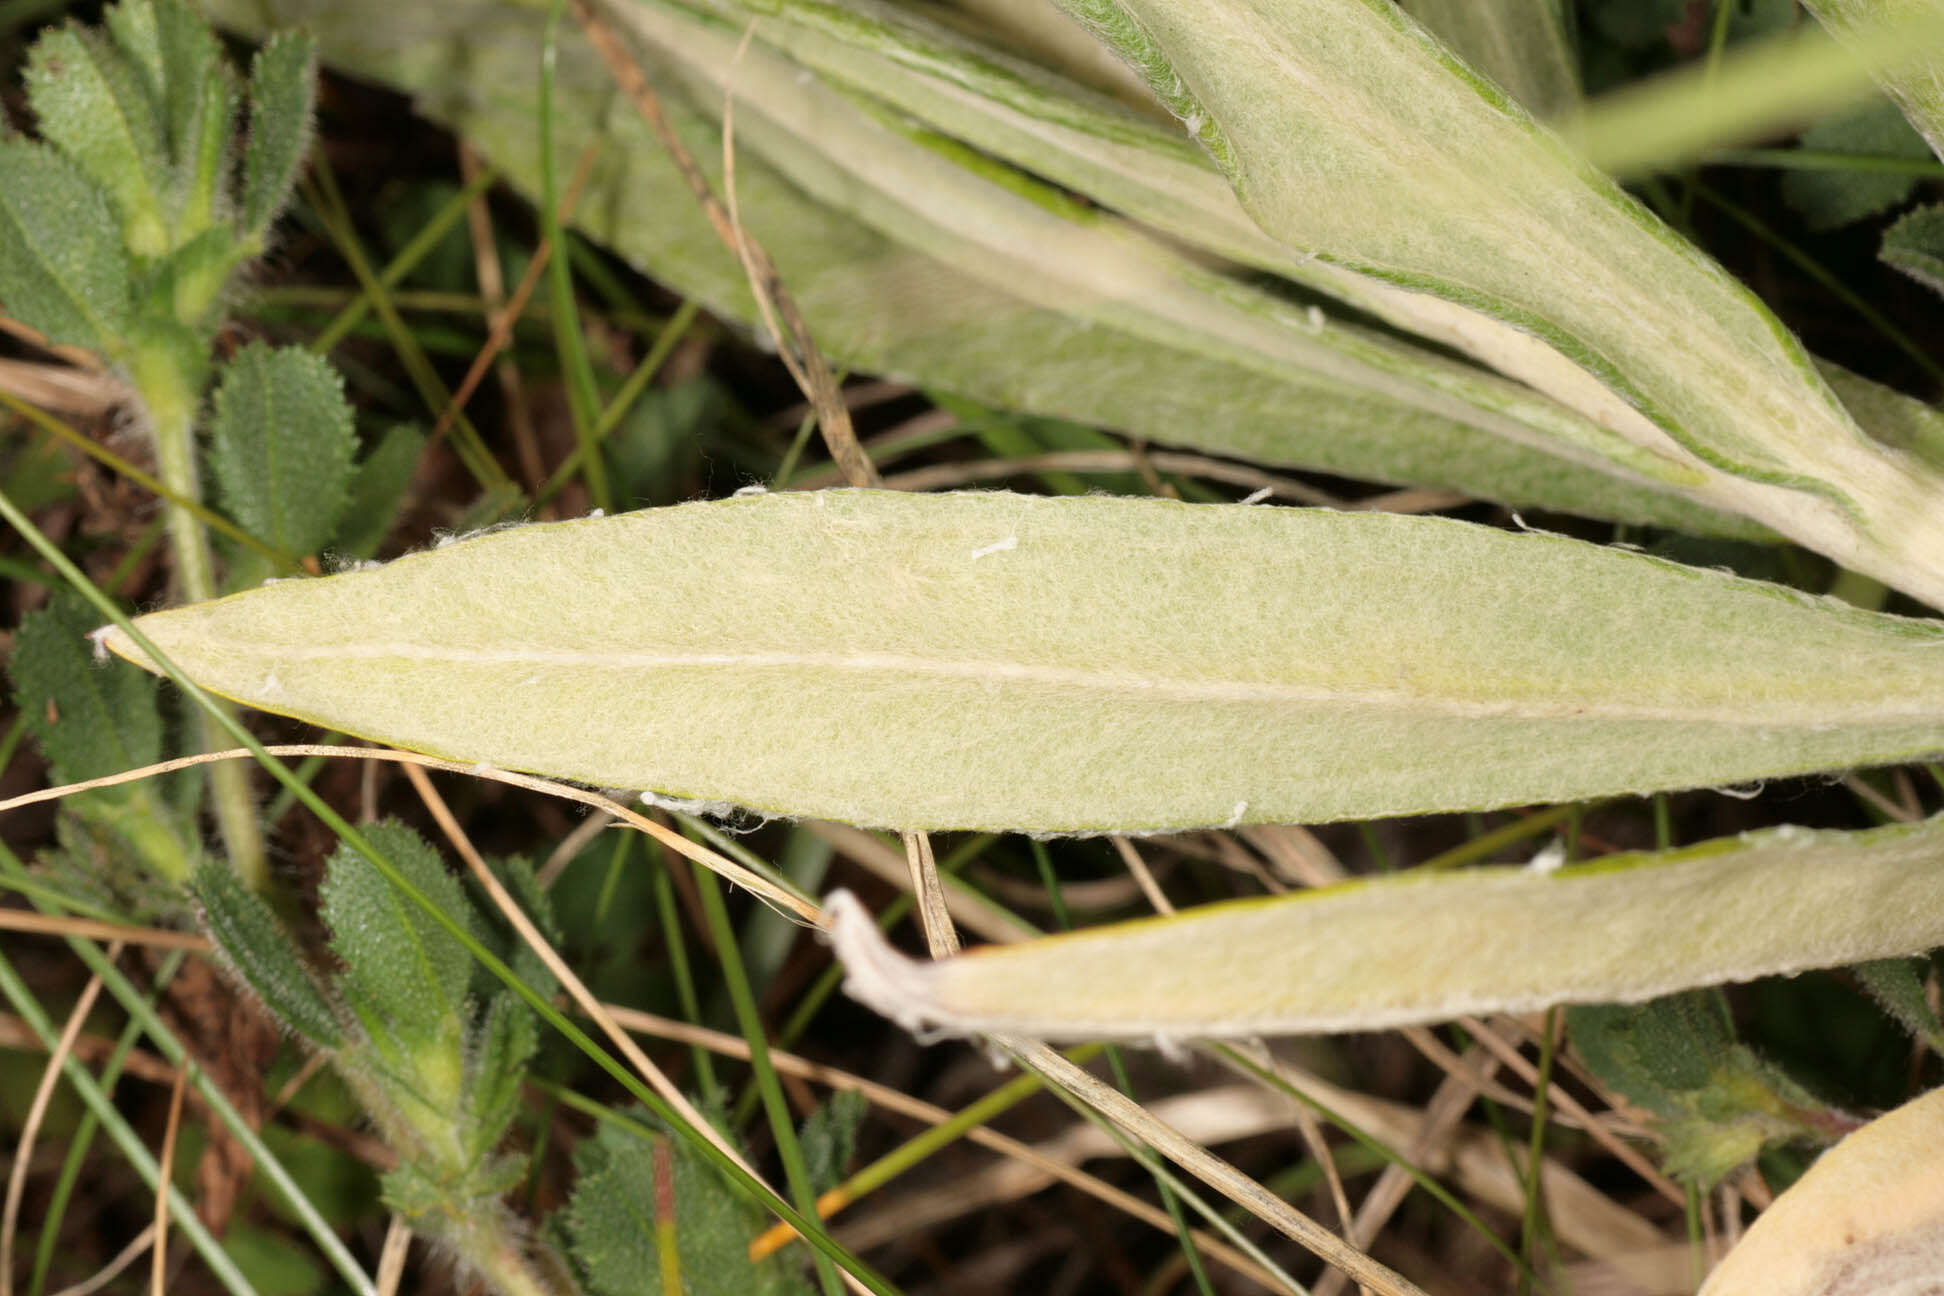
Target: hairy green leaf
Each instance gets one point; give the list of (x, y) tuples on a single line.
[(1719, 1104), (282, 443), (1915, 245), (377, 490), (282, 87), (1867, 1217), (1381, 952), (92, 104), (1074, 664), (93, 720), (1349, 134), (506, 1041), (829, 1138), (612, 1221), (258, 947), (399, 964), (63, 268), (1898, 985), (1827, 199)]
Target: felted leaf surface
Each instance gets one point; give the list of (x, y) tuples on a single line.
[(1867, 1217), (1349, 134), (1383, 952), (1525, 47), (63, 269), (878, 304), (1918, 86), (1073, 664), (281, 444)]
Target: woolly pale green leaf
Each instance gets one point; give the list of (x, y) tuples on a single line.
[(281, 443), (1349, 134), (612, 1221), (1916, 84), (398, 962), (63, 269), (92, 104), (1868, 1217), (1074, 664), (1915, 245), (282, 85), (879, 304), (1382, 952), (1523, 46), (257, 945), (1828, 199)]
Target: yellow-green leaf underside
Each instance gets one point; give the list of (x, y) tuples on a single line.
[(1082, 664), (1429, 946)]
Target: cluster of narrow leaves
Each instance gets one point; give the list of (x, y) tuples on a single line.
[(436, 1057)]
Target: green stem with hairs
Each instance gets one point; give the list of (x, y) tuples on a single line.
[(168, 382)]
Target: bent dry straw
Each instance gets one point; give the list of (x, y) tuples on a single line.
[(997, 661)]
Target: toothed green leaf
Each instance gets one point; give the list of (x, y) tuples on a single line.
[(1915, 245), (93, 719), (63, 268), (91, 103), (399, 963), (612, 1222), (282, 443), (1828, 199), (829, 1138), (256, 944), (282, 84)]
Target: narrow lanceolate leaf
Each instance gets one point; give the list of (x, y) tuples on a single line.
[(63, 268), (1348, 132), (1073, 664), (1916, 84), (281, 87), (1423, 947), (1867, 1218), (282, 445)]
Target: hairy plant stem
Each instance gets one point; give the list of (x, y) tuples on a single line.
[(167, 382)]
